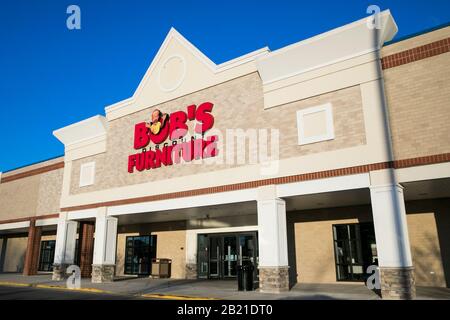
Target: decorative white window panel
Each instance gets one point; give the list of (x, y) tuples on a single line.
[(315, 124), (87, 174)]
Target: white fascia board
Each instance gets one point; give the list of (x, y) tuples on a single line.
[(82, 214), (79, 132), (185, 202), (349, 41), (47, 222), (426, 172), (15, 225), (351, 182)]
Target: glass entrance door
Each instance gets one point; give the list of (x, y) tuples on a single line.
[(230, 256), (139, 252), (47, 255), (215, 255), (220, 254), (355, 250)]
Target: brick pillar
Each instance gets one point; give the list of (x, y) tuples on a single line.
[(86, 251), (32, 254)]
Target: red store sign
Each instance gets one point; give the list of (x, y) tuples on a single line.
[(175, 128)]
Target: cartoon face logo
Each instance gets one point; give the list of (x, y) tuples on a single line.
[(158, 121)]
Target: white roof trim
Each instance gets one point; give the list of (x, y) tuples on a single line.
[(349, 41), (90, 128), (214, 68)]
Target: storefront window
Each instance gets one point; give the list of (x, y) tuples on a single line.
[(47, 255), (355, 250), (139, 252)]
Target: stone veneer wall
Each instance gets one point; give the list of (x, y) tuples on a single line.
[(274, 279), (397, 283)]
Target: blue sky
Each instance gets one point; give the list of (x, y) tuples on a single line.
[(52, 76)]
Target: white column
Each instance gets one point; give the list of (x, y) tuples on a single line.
[(391, 233), (391, 229), (105, 238), (66, 236), (272, 241), (104, 261), (272, 236)]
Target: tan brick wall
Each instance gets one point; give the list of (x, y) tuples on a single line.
[(417, 41), (418, 96), (30, 196), (310, 236), (428, 225), (238, 104), (425, 249), (18, 198), (171, 243), (15, 254), (311, 252), (50, 192)]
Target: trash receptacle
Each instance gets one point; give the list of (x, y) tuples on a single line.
[(161, 268), (245, 278)]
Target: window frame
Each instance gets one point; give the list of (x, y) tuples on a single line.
[(91, 179), (329, 135)]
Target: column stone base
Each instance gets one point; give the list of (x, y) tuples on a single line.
[(191, 271), (274, 279), (59, 271), (103, 273), (397, 283)]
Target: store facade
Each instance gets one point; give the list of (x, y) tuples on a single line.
[(310, 163)]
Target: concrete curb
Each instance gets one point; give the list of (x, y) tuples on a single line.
[(94, 290), (174, 297)]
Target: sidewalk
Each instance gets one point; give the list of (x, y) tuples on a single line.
[(212, 289)]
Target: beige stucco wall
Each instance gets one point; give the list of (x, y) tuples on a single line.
[(15, 254), (238, 104), (171, 242), (30, 196), (311, 252)]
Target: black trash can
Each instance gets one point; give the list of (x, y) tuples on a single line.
[(245, 278)]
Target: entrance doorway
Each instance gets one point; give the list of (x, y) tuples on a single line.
[(139, 252), (355, 250), (47, 255), (219, 255)]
